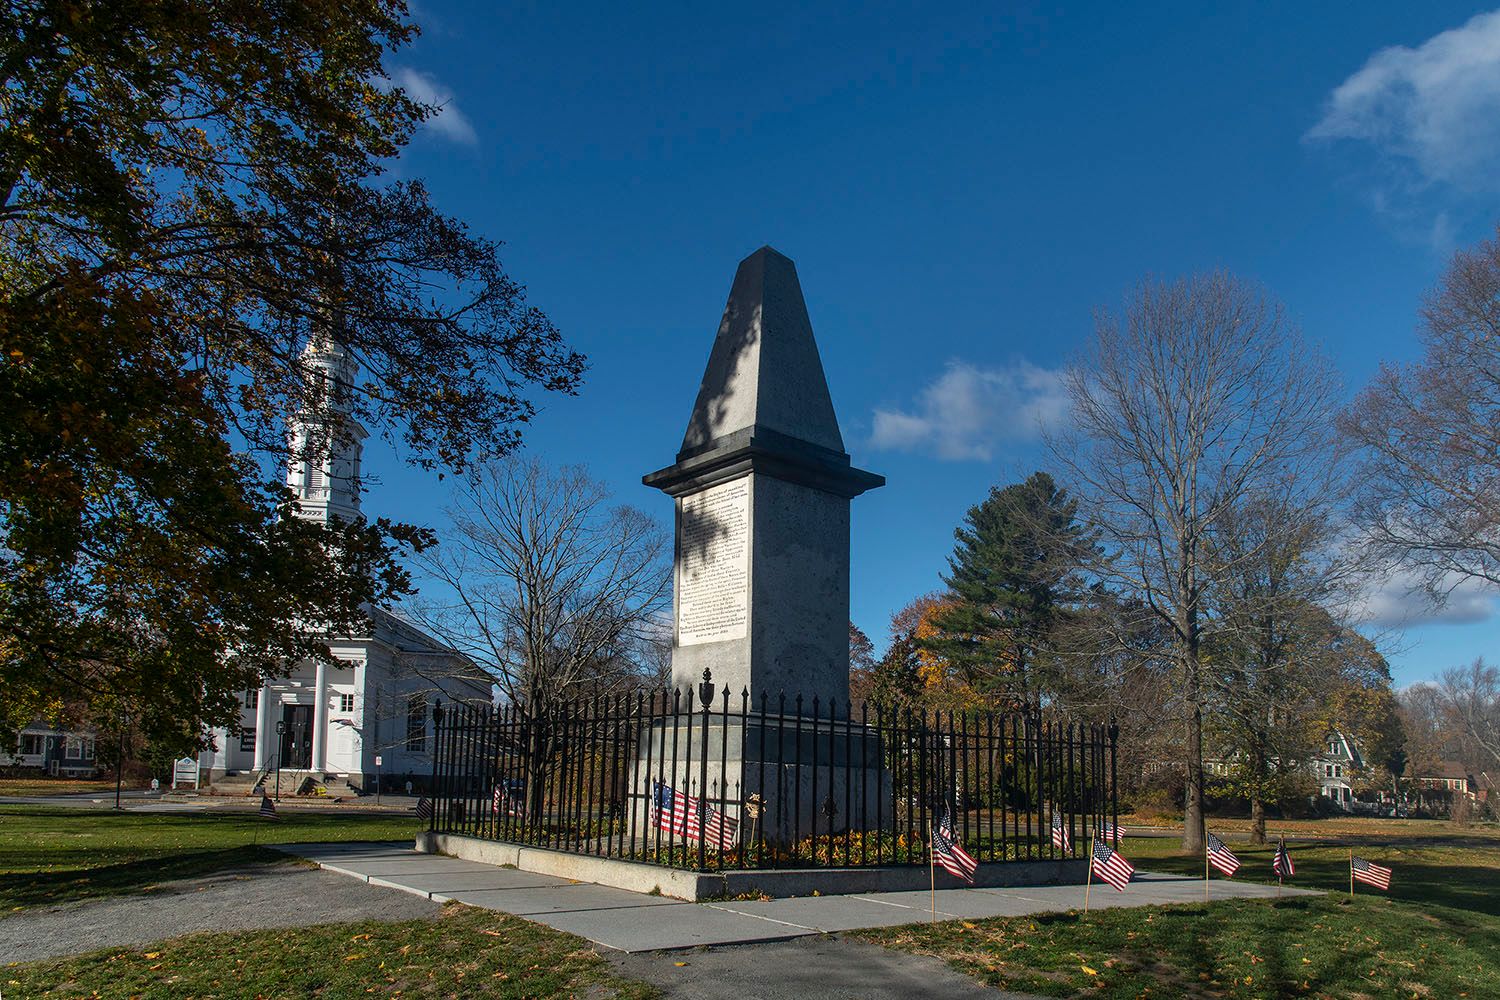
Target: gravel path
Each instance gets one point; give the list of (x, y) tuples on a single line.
[(244, 899)]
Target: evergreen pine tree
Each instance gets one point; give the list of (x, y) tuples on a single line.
[(1014, 572)]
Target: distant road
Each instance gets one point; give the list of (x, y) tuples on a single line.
[(82, 800)]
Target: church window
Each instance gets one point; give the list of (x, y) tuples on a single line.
[(346, 703), (416, 722), (252, 698), (315, 479)]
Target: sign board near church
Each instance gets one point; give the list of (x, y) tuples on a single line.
[(185, 771)]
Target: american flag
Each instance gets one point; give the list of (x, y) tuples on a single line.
[(1110, 865), (1281, 864), (1110, 833), (424, 808), (722, 830), (686, 817), (1060, 838), (946, 850), (267, 807), (510, 798), (1222, 857), (1371, 874)]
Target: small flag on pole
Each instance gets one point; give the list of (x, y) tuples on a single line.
[(1222, 857), (1371, 874), (1060, 838), (267, 807), (687, 817), (946, 850), (1281, 864), (1111, 866), (675, 812), (424, 808), (507, 797), (720, 830), (1111, 834)]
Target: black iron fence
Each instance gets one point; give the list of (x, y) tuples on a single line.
[(722, 782)]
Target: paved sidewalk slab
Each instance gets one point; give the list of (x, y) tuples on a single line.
[(534, 901), (679, 925), (633, 922)]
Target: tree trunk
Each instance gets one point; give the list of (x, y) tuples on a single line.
[(1257, 818), (1192, 807)]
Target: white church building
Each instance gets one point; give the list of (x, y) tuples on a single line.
[(332, 722)]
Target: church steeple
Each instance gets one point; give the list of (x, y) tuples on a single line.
[(326, 443)]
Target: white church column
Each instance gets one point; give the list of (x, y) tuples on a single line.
[(265, 728), (320, 719)]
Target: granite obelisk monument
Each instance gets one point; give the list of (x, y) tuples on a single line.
[(762, 486)]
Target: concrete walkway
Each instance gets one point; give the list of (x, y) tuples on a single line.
[(631, 922), (252, 898)]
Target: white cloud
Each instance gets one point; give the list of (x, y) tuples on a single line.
[(1432, 111), (1400, 601), (967, 411), (449, 122)]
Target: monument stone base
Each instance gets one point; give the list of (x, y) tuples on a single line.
[(811, 778)]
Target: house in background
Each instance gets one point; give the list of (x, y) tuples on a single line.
[(1450, 779), (331, 721), (49, 750), (1334, 770)]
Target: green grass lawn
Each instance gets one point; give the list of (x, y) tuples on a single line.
[(463, 952), (1328, 946), (52, 854), (1462, 873), (1436, 934)]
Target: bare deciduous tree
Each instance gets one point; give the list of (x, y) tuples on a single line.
[(1270, 670), (1470, 698), (1198, 396), (1431, 434), (553, 589)]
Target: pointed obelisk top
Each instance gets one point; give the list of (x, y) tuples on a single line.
[(763, 404), (764, 372)]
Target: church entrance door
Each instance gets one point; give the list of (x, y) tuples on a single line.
[(296, 742)]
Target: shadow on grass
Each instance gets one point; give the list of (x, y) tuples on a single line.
[(32, 889)]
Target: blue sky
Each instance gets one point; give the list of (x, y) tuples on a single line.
[(960, 191)]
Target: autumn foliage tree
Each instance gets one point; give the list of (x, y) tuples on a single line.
[(189, 192)]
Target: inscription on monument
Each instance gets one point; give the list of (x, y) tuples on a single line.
[(713, 566)]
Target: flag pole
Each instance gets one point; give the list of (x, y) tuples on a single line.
[(1351, 872), (1205, 864), (932, 877), (1090, 883)]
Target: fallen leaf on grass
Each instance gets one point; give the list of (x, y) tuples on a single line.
[(492, 933), (1092, 972)]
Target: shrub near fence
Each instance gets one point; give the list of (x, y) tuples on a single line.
[(792, 783)]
